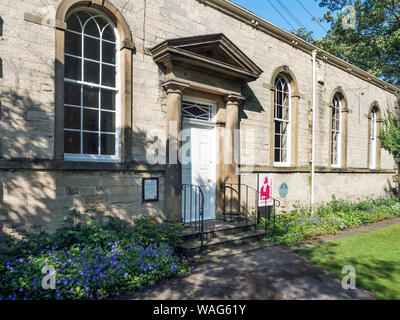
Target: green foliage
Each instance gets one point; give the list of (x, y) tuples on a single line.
[(167, 232), (304, 34), (93, 257), (390, 134), (91, 227), (304, 224), (374, 45)]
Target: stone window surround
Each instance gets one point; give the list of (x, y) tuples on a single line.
[(379, 122), (336, 115), (288, 74), (288, 123), (344, 112), (125, 52), (98, 157)]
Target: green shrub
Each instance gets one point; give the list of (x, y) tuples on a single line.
[(92, 228), (94, 256), (146, 230), (304, 224)]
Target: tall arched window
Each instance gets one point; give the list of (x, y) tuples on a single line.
[(372, 138), (336, 132), (374, 147), (282, 122), (92, 118)]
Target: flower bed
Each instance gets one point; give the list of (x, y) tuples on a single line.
[(87, 272), (112, 260), (304, 224)]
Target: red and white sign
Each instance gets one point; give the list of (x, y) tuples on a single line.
[(265, 186)]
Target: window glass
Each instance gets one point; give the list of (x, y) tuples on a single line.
[(90, 124), (282, 121), (336, 135), (73, 43)]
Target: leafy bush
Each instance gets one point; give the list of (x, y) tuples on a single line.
[(92, 228), (304, 223), (147, 230), (92, 258)]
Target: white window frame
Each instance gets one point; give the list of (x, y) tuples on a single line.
[(339, 132), (373, 138), (92, 157), (213, 116), (288, 122)]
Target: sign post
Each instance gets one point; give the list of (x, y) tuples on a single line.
[(265, 187)]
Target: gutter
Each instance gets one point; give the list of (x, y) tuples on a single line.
[(314, 94)]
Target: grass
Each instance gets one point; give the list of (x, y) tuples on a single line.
[(375, 256)]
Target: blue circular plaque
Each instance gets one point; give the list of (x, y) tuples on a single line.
[(283, 190)]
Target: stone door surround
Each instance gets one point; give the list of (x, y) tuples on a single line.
[(204, 65)]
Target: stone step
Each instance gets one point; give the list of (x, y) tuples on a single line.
[(192, 247), (219, 230), (215, 256)]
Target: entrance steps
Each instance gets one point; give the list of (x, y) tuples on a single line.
[(222, 238)]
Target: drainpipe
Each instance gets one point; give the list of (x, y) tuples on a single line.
[(314, 94)]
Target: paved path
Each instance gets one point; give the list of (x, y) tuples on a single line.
[(269, 273), (265, 274)]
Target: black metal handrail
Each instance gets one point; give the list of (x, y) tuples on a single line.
[(237, 189), (193, 217)]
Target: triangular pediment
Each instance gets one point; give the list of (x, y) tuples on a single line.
[(214, 52)]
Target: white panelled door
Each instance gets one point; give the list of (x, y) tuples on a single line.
[(199, 159)]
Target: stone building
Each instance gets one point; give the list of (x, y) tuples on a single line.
[(87, 88)]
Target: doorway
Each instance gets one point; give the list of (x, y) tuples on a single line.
[(199, 156)]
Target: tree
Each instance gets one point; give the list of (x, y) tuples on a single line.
[(304, 33), (374, 42)]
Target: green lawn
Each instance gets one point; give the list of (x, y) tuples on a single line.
[(375, 256)]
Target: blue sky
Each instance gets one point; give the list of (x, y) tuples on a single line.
[(264, 9)]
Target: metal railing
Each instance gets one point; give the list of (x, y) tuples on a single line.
[(238, 206), (193, 209)]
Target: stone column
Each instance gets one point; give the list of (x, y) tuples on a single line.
[(231, 153), (173, 170)]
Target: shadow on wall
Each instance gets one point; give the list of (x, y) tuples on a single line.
[(251, 104), (391, 189), (27, 126), (43, 197)]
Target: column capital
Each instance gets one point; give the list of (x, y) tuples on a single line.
[(234, 99), (174, 86)]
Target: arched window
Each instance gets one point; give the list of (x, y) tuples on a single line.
[(282, 122), (336, 133), (374, 144), (92, 121)]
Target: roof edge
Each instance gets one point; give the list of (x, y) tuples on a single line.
[(250, 18)]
